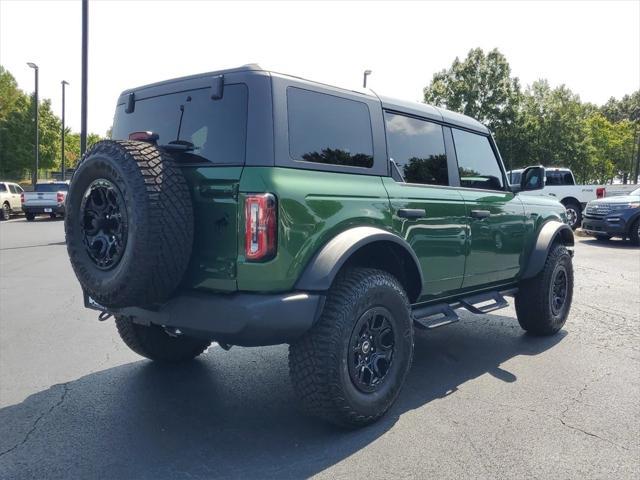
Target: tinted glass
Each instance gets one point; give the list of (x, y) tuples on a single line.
[(515, 177), (329, 129), (559, 178), (13, 189), (417, 146), (216, 128), (477, 163), (3, 187), (52, 187)]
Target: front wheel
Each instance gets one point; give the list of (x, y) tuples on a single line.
[(543, 302), (634, 233), (154, 343), (603, 238), (349, 368)]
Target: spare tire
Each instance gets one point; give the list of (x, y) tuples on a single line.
[(129, 224)]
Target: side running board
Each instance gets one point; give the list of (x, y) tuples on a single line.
[(441, 314)]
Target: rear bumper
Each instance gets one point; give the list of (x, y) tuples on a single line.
[(244, 319), (40, 209)]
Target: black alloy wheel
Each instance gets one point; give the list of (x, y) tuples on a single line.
[(104, 223)]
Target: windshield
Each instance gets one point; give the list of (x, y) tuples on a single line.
[(52, 187)]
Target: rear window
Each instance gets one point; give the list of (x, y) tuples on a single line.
[(559, 178), (216, 128), (52, 187), (328, 129)]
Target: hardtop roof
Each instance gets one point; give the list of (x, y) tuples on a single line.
[(412, 108)]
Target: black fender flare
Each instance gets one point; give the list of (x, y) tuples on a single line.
[(548, 234), (327, 262)]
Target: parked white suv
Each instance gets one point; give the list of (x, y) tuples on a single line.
[(10, 202), (561, 184)]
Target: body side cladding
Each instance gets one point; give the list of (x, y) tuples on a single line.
[(549, 232), (325, 265)]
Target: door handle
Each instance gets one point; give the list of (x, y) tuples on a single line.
[(480, 213), (412, 213)]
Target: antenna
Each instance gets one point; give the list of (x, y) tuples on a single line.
[(364, 81)]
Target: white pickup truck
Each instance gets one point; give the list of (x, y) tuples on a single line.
[(561, 184), (47, 198)]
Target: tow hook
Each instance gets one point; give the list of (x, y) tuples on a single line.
[(104, 315)]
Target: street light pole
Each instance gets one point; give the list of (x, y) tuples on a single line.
[(64, 83), (83, 88), (35, 173)]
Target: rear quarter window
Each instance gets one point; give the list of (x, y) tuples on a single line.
[(216, 128), (328, 129)]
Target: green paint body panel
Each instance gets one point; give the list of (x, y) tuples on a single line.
[(313, 207), (456, 252)]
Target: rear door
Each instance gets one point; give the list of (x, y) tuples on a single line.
[(495, 214), (216, 130), (426, 211), (16, 204)]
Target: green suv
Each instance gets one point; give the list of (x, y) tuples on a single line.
[(252, 208)]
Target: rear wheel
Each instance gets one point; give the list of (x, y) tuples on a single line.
[(52, 215), (543, 302), (154, 343), (6, 211), (349, 368), (30, 217), (574, 214), (634, 233)]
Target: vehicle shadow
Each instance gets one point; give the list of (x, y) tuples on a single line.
[(230, 415), (613, 243)]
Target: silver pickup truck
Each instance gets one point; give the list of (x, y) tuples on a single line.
[(47, 198)]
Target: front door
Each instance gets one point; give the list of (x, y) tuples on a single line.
[(495, 214), (427, 212)]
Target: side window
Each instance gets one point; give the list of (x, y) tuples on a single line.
[(328, 129), (477, 163), (417, 146), (3, 187), (13, 189), (19, 188)]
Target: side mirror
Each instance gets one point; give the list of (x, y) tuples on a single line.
[(532, 179)]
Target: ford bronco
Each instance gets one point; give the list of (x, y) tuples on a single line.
[(252, 208)]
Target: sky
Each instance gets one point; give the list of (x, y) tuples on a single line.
[(592, 47)]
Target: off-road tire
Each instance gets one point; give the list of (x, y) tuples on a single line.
[(571, 205), (533, 300), (634, 233), (5, 213), (154, 343), (318, 362), (30, 217), (159, 220)]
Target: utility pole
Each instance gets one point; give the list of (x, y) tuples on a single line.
[(83, 102), (64, 83), (34, 178)]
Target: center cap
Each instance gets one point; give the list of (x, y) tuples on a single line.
[(366, 346)]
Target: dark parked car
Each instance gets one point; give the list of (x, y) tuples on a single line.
[(254, 208), (614, 217)]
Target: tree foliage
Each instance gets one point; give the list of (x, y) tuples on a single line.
[(541, 125), (17, 133)]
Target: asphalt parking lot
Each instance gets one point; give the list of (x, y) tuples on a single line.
[(483, 400)]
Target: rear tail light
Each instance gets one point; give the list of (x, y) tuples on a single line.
[(601, 192), (260, 211), (60, 197), (22, 198)]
